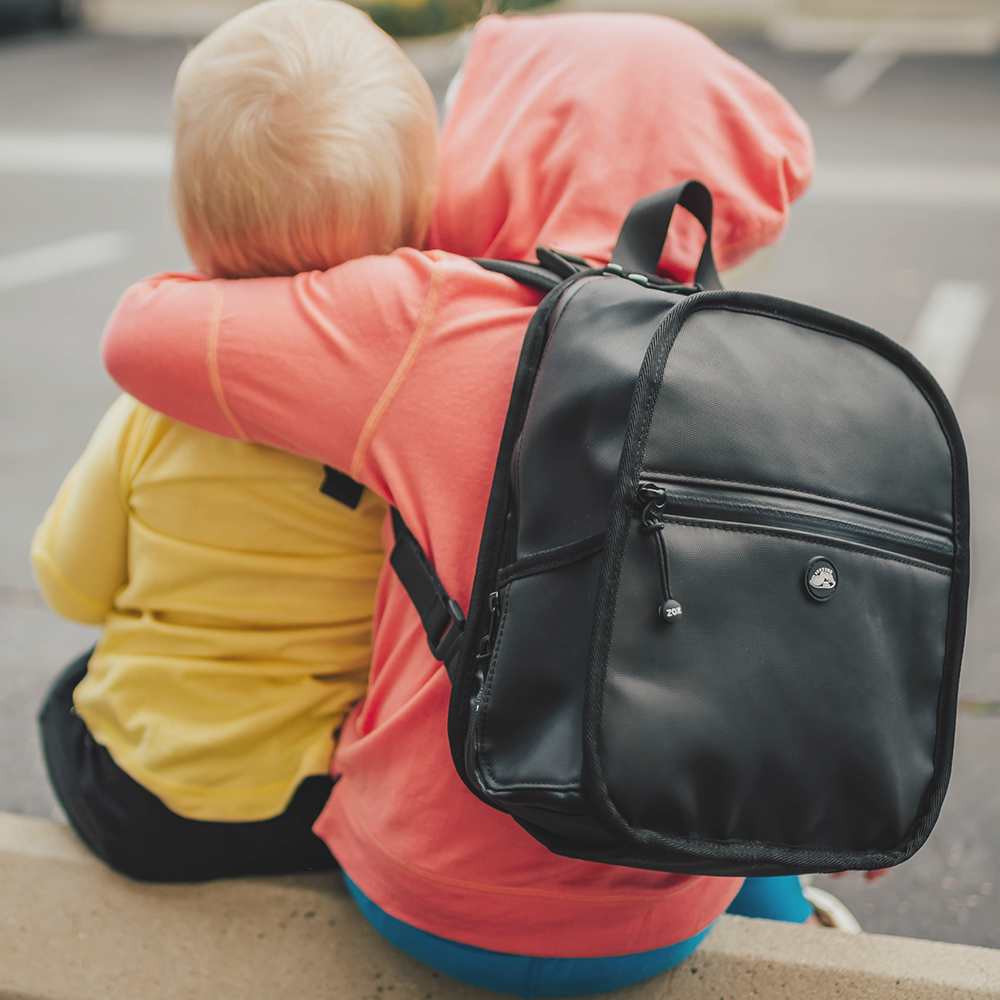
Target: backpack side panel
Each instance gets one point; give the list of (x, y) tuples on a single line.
[(526, 738), (468, 669)]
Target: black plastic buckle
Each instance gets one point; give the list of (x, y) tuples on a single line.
[(447, 642)]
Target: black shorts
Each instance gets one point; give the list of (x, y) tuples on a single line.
[(130, 829)]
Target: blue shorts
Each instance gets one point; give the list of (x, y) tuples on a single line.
[(528, 976)]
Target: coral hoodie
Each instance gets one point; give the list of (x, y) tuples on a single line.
[(398, 369)]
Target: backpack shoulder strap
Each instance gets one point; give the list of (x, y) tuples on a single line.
[(441, 615), (532, 275), (339, 486)]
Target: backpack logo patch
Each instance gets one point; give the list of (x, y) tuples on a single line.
[(821, 578)]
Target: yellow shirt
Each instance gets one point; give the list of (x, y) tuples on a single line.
[(236, 601)]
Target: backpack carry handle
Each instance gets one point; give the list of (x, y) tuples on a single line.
[(640, 243)]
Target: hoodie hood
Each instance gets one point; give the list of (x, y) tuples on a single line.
[(562, 122)]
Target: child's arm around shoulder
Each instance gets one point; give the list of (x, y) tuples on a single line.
[(300, 363), (80, 550)]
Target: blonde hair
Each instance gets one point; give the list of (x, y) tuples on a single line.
[(303, 137)]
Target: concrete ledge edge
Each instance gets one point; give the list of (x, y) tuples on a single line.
[(70, 929)]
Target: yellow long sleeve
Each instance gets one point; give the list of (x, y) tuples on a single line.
[(79, 552)]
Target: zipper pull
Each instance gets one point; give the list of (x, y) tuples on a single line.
[(653, 501), (669, 610), (650, 491)]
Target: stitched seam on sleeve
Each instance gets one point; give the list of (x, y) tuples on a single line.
[(214, 322), (399, 375)]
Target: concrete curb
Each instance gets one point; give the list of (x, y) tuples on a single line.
[(72, 930)]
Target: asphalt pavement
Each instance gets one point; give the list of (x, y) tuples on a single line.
[(900, 232)]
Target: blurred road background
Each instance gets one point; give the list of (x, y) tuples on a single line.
[(901, 231)]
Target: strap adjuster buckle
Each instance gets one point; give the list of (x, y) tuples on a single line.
[(447, 640)]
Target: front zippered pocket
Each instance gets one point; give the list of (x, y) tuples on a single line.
[(661, 502), (807, 657)]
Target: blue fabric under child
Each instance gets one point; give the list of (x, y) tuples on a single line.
[(773, 898)]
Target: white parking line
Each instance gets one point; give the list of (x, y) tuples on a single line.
[(26, 598), (860, 71), (945, 185), (73, 154), (55, 260), (947, 330), (127, 154)]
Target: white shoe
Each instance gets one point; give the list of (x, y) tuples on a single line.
[(830, 911)]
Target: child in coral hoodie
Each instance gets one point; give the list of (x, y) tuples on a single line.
[(397, 370)]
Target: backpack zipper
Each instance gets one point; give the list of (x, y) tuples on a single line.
[(657, 504), (508, 540), (486, 642)]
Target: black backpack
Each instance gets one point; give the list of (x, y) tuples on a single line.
[(720, 599)]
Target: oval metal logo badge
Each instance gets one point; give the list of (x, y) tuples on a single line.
[(821, 578)]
